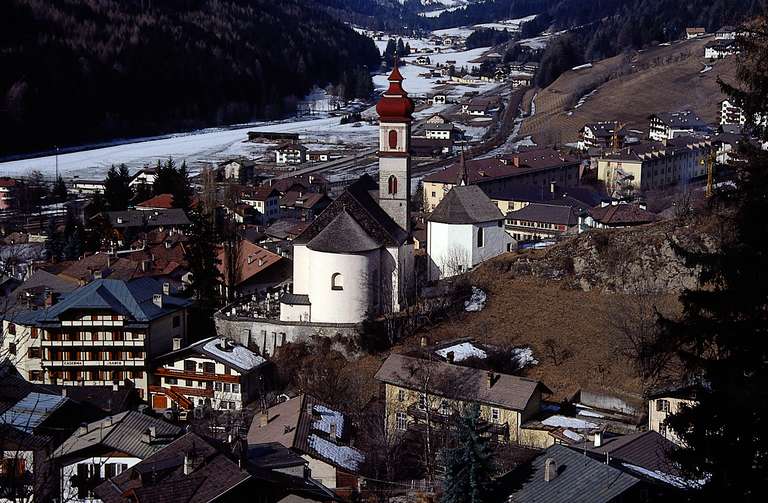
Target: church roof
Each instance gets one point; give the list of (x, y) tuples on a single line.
[(362, 210), (465, 204), (343, 234)]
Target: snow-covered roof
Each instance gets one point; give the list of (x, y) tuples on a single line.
[(462, 351), (568, 422), (235, 355), (326, 417), (672, 480), (343, 455)]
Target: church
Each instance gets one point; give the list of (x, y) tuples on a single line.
[(356, 259)]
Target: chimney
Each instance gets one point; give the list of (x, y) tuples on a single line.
[(261, 262), (491, 380), (50, 298), (263, 419), (333, 431), (107, 421), (424, 341), (166, 288), (189, 464), (63, 391), (516, 161), (83, 429), (598, 440), (176, 343), (109, 260), (167, 245), (450, 356), (550, 470), (552, 186), (157, 299), (97, 275)]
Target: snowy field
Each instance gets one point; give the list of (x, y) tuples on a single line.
[(465, 31), (199, 148)]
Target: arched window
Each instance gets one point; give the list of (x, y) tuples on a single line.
[(392, 185), (337, 281), (480, 237), (392, 139)]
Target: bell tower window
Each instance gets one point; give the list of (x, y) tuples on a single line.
[(392, 139), (392, 185)]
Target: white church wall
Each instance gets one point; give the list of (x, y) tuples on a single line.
[(300, 269), (495, 240), (449, 247), (297, 312), (351, 303)]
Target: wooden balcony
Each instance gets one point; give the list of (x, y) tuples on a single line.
[(197, 376)]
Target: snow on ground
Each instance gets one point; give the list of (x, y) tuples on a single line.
[(344, 456), (197, 148), (573, 435), (589, 413), (327, 418), (476, 301), (523, 357), (239, 356), (419, 86), (706, 69), (461, 58), (465, 31), (568, 422), (541, 41), (462, 351), (415, 43)]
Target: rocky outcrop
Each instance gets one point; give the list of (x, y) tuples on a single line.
[(633, 260)]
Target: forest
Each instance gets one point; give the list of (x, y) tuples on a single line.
[(91, 70)]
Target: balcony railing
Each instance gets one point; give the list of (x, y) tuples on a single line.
[(94, 363), (131, 343), (198, 376)]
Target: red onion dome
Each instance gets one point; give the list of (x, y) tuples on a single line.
[(395, 105)]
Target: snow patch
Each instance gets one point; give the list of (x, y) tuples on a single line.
[(589, 413), (462, 351), (344, 456), (670, 479), (240, 356), (573, 435), (523, 357), (327, 418), (582, 67), (568, 422), (706, 69), (476, 301)]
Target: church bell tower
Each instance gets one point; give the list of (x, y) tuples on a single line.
[(395, 111)]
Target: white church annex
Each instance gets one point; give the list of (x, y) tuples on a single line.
[(356, 259)]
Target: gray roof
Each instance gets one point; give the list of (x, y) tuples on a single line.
[(548, 213), (343, 235), (684, 119), (236, 355), (130, 298), (451, 380), (579, 479), (296, 299), (465, 204), (148, 218), (647, 449), (122, 432), (32, 291), (434, 126)]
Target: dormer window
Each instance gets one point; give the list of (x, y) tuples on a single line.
[(392, 139), (392, 185)]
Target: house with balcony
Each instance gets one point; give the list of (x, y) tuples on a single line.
[(100, 334), (418, 390), (665, 401), (214, 372)]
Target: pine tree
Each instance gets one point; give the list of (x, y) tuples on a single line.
[(722, 336), (59, 192), (117, 189), (203, 259), (469, 465), (53, 242)]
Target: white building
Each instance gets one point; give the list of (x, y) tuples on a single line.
[(103, 449), (668, 125), (145, 176), (465, 229), (356, 259), (214, 372), (291, 154)]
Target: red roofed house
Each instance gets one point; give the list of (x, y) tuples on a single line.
[(158, 202), (266, 200), (619, 215), (534, 167), (254, 269), (7, 189)]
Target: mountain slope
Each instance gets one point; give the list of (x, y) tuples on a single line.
[(86, 70)]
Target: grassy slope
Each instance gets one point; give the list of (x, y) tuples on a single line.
[(630, 88)]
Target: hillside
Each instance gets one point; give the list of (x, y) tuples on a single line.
[(88, 70), (629, 88)]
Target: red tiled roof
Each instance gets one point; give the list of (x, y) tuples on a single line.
[(164, 201), (252, 260), (508, 166), (261, 193), (622, 214), (7, 182)]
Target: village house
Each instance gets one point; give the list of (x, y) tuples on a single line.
[(440, 131), (303, 205), (438, 99), (158, 202), (694, 32), (533, 167), (291, 153), (668, 125), (430, 147), (251, 269), (618, 215), (316, 432), (539, 222), (131, 222), (664, 402), (88, 187), (214, 372), (145, 177), (265, 200), (718, 49), (100, 334), (515, 196), (437, 119), (726, 32), (238, 170), (601, 135), (8, 188), (102, 449), (323, 155), (423, 60), (464, 230), (416, 390), (654, 165)]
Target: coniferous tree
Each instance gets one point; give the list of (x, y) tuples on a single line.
[(59, 192), (203, 259), (117, 189), (469, 465), (53, 241), (722, 336)]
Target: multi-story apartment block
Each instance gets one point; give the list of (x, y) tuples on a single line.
[(103, 333), (214, 372), (668, 125), (654, 165), (418, 390)]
